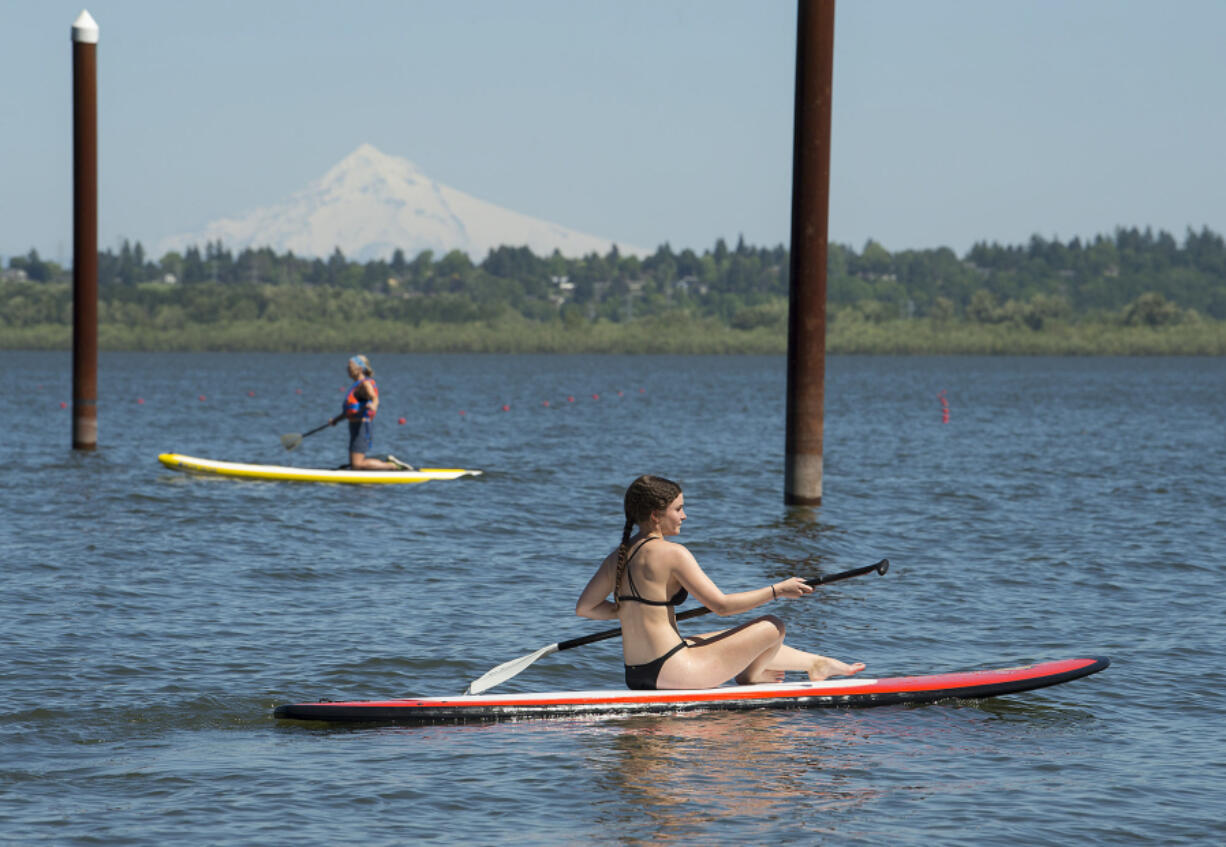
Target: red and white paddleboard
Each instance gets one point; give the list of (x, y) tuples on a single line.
[(850, 691)]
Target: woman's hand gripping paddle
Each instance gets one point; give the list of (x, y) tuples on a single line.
[(506, 670)]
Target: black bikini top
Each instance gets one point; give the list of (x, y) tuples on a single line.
[(676, 600)]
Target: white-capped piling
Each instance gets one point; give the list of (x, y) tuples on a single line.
[(84, 233)]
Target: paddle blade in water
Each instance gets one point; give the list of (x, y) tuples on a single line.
[(291, 440)]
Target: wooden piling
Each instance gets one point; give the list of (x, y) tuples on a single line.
[(810, 218), (84, 233)]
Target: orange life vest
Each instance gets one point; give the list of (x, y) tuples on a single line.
[(361, 409)]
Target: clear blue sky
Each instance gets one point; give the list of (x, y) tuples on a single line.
[(643, 121)]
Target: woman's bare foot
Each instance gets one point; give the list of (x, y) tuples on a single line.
[(826, 667)]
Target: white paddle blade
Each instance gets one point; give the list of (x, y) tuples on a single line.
[(291, 440), (506, 670)]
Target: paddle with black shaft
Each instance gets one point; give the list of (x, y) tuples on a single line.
[(506, 670), (292, 439)]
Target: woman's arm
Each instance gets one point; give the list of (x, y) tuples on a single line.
[(594, 601), (372, 399), (696, 581)]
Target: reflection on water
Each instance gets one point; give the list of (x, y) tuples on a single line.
[(682, 774), (800, 518), (669, 777)]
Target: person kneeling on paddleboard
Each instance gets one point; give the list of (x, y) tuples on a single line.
[(359, 408), (649, 576)]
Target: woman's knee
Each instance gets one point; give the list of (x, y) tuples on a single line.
[(774, 623)]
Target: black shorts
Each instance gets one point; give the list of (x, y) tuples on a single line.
[(360, 436)]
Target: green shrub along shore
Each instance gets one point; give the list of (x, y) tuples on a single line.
[(1134, 293)]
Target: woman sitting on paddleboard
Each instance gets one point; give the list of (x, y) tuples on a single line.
[(648, 576), (359, 408)]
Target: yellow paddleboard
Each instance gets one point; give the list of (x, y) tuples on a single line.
[(178, 462)]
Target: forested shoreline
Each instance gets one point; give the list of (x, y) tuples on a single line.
[(1135, 292)]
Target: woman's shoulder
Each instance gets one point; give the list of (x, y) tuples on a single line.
[(673, 551)]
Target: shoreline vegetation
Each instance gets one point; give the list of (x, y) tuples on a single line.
[(1134, 293), (914, 336)]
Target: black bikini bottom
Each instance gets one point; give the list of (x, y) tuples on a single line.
[(643, 677)]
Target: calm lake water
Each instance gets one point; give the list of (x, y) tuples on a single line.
[(150, 620)]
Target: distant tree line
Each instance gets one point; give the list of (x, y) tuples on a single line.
[(1133, 277)]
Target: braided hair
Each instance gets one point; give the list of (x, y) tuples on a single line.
[(646, 495)]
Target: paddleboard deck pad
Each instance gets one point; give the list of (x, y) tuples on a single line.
[(849, 691), (178, 462)]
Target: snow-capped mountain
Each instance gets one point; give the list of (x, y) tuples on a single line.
[(371, 203)]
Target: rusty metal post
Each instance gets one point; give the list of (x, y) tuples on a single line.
[(84, 233), (802, 480)]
